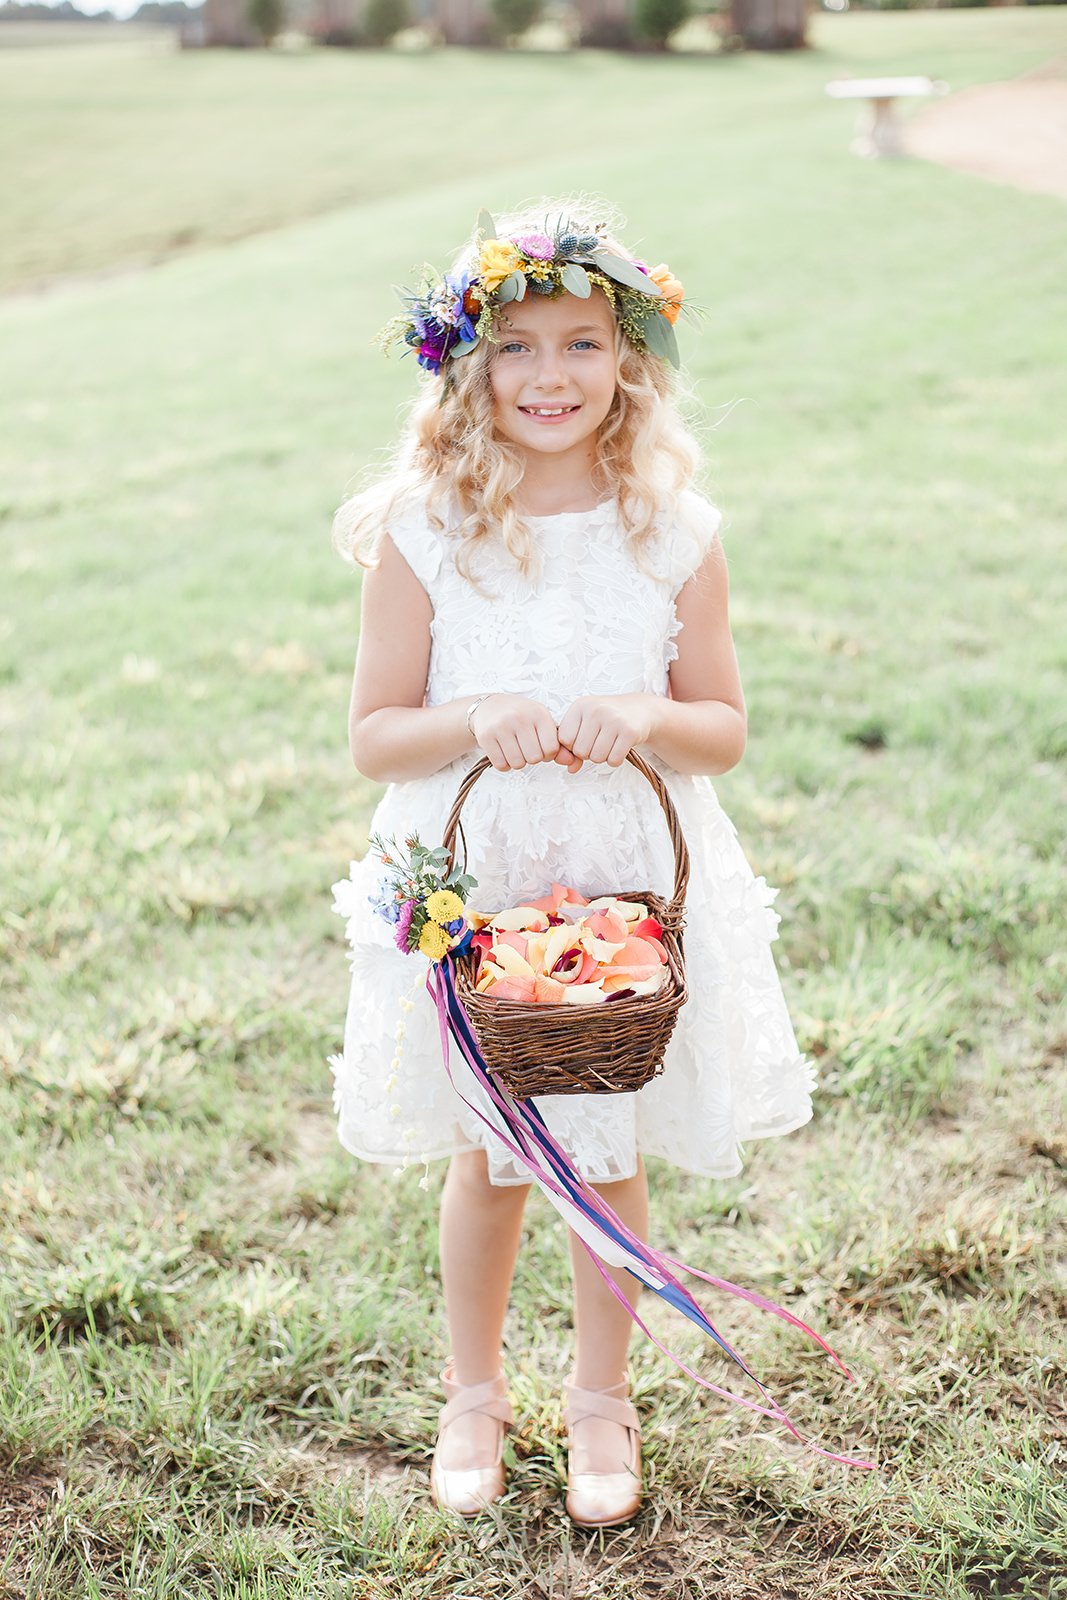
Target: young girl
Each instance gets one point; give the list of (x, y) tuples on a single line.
[(545, 587)]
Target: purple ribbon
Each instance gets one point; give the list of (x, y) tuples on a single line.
[(521, 1129)]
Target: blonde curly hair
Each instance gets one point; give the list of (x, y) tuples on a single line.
[(451, 458)]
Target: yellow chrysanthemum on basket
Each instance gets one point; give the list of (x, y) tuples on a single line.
[(434, 941), (444, 906)]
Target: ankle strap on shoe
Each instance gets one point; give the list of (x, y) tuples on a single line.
[(490, 1397), (583, 1403)]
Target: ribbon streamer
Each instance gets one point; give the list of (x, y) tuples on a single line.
[(520, 1127)]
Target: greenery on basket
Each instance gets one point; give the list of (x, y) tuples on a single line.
[(424, 899)]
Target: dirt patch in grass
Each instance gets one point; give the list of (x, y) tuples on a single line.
[(25, 1499), (1009, 132)]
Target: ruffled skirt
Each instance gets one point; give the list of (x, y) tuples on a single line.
[(732, 1071)]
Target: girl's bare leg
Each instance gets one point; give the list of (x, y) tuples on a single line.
[(603, 1327), (480, 1228)]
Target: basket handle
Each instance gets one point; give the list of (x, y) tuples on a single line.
[(676, 906)]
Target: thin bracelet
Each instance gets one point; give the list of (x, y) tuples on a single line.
[(472, 708)]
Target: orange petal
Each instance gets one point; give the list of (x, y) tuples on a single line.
[(547, 991)]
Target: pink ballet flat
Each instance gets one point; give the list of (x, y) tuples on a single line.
[(603, 1499), (469, 1490)]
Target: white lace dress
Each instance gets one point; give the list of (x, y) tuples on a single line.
[(591, 622)]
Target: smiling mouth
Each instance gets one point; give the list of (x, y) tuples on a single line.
[(548, 411)]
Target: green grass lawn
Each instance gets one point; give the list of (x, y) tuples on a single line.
[(219, 1332)]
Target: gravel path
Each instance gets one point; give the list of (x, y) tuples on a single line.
[(1010, 132)]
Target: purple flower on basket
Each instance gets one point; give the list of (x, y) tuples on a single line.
[(454, 926), (403, 925), (536, 246)]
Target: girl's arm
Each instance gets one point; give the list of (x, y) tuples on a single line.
[(702, 727), (392, 734)]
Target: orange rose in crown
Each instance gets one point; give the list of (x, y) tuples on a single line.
[(673, 292), (566, 950)]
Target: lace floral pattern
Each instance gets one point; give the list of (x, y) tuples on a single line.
[(590, 621)]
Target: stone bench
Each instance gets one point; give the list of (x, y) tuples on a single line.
[(878, 130)]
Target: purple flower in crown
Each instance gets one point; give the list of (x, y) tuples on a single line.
[(644, 266), (535, 246), (431, 352)]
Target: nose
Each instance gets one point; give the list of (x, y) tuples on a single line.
[(550, 374)]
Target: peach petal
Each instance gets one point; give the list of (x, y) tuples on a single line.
[(639, 953), (605, 925), (514, 988)]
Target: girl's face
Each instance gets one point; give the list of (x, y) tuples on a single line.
[(553, 372)]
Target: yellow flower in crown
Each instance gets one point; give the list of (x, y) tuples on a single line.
[(497, 260), (434, 941), (444, 905), (673, 293)]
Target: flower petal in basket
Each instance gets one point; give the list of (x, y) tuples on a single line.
[(559, 896), (584, 994), (537, 990), (626, 981), (603, 936), (629, 910), (516, 918), (511, 962)]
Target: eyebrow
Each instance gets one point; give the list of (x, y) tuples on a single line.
[(583, 327)]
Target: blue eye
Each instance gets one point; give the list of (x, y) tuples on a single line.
[(514, 345), (589, 342)]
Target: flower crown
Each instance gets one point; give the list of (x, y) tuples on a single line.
[(446, 317)]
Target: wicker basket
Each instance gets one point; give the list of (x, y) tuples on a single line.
[(610, 1048)]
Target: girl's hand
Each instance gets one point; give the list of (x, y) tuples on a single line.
[(606, 727), (515, 732)]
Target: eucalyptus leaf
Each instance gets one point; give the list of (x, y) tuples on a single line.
[(486, 225), (463, 348), (626, 273), (507, 291), (576, 280), (660, 339)]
